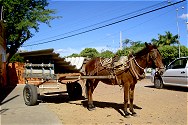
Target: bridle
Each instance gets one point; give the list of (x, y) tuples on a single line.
[(134, 71), (151, 55)]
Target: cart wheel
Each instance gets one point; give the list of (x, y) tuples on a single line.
[(30, 94), (74, 90)]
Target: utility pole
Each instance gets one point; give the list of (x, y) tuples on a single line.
[(120, 42), (177, 23)]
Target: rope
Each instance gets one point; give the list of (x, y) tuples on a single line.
[(134, 71)]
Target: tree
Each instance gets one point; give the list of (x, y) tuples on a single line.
[(126, 42), (134, 48), (17, 58), (89, 52), (21, 17), (123, 52), (184, 51), (74, 55), (107, 54), (170, 39), (169, 53), (166, 39)]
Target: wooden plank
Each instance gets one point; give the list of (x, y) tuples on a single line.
[(39, 65), (87, 77), (37, 52)]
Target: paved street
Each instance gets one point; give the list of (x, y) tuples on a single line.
[(13, 111)]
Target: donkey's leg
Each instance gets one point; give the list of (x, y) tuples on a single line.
[(95, 83), (89, 94), (126, 96), (91, 85), (131, 97)]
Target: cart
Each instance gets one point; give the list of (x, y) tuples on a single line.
[(37, 74)]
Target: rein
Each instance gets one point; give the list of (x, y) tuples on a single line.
[(137, 63), (134, 71)]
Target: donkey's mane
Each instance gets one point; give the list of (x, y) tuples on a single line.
[(141, 52), (144, 51)]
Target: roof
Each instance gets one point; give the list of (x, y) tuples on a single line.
[(46, 56)]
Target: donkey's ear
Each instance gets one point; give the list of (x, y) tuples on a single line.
[(146, 44)]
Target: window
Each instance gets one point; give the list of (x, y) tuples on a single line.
[(178, 64)]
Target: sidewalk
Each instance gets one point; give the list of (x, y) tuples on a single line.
[(13, 111)]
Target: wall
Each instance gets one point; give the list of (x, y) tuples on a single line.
[(16, 71)]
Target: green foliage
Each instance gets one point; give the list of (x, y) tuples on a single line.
[(106, 54), (136, 46), (123, 52), (184, 51), (17, 58), (21, 17), (169, 53), (89, 52), (126, 42), (74, 55), (166, 39), (135, 49)]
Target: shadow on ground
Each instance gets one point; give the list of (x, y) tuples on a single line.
[(173, 88), (62, 97), (118, 107), (57, 97), (5, 91)]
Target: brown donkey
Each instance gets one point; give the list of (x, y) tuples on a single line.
[(127, 75)]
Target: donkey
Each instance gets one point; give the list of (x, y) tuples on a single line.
[(127, 77)]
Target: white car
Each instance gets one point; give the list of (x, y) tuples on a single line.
[(176, 74)]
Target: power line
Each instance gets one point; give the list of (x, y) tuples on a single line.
[(104, 21), (128, 28), (100, 27)]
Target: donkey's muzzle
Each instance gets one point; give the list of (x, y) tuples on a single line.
[(161, 71)]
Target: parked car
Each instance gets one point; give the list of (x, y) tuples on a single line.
[(176, 74)]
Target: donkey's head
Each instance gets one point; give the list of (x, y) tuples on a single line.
[(154, 58)]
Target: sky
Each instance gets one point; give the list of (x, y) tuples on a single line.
[(97, 24)]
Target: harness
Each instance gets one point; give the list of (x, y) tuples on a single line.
[(134, 71), (115, 66)]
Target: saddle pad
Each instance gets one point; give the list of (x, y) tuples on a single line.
[(114, 62), (122, 61)]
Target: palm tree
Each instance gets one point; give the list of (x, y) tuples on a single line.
[(170, 39), (126, 41), (166, 39)]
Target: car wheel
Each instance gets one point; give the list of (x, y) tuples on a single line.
[(158, 83)]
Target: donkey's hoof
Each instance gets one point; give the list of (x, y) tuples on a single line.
[(127, 114), (134, 114), (91, 107)]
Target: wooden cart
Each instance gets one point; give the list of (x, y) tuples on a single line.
[(37, 74)]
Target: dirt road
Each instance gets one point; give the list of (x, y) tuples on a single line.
[(153, 106)]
